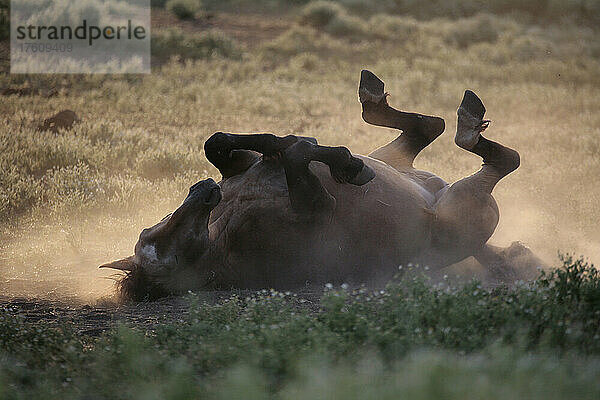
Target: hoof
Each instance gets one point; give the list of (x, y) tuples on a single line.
[(470, 121), (365, 175), (218, 143), (473, 105), (370, 88), (352, 170)]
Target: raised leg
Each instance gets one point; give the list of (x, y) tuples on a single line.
[(418, 131), (498, 160), (467, 214), (233, 154), (307, 195)]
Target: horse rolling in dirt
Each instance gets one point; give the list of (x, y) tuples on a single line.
[(290, 212)]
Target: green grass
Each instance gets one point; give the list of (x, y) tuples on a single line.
[(72, 201), (413, 339), (184, 9)]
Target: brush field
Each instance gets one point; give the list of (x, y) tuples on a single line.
[(73, 200)]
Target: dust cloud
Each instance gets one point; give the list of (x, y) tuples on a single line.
[(59, 261)]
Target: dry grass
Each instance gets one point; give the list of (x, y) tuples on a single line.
[(74, 200)]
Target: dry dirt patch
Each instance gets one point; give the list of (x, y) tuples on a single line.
[(250, 29)]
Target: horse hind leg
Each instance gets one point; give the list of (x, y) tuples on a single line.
[(467, 214), (418, 130), (498, 160)]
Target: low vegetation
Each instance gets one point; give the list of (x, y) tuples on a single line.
[(211, 44), (184, 9), (72, 200), (4, 19), (414, 339), (540, 11)]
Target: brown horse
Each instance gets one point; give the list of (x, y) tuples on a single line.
[(289, 211)]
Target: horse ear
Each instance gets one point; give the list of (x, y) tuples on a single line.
[(126, 264)]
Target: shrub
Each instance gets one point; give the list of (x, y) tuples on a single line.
[(156, 164), (332, 18), (464, 32), (305, 62), (526, 48), (368, 6), (299, 40), (345, 25), (158, 3), (393, 27), (184, 9), (4, 20), (320, 13), (18, 193), (205, 45)]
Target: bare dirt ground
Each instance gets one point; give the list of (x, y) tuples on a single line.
[(95, 319), (249, 29), (105, 314)]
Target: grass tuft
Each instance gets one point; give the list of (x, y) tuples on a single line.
[(196, 46), (184, 9), (330, 17), (413, 339)]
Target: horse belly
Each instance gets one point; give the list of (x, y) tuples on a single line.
[(380, 225)]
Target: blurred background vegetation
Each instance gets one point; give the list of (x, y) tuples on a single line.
[(77, 198), (74, 199)]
